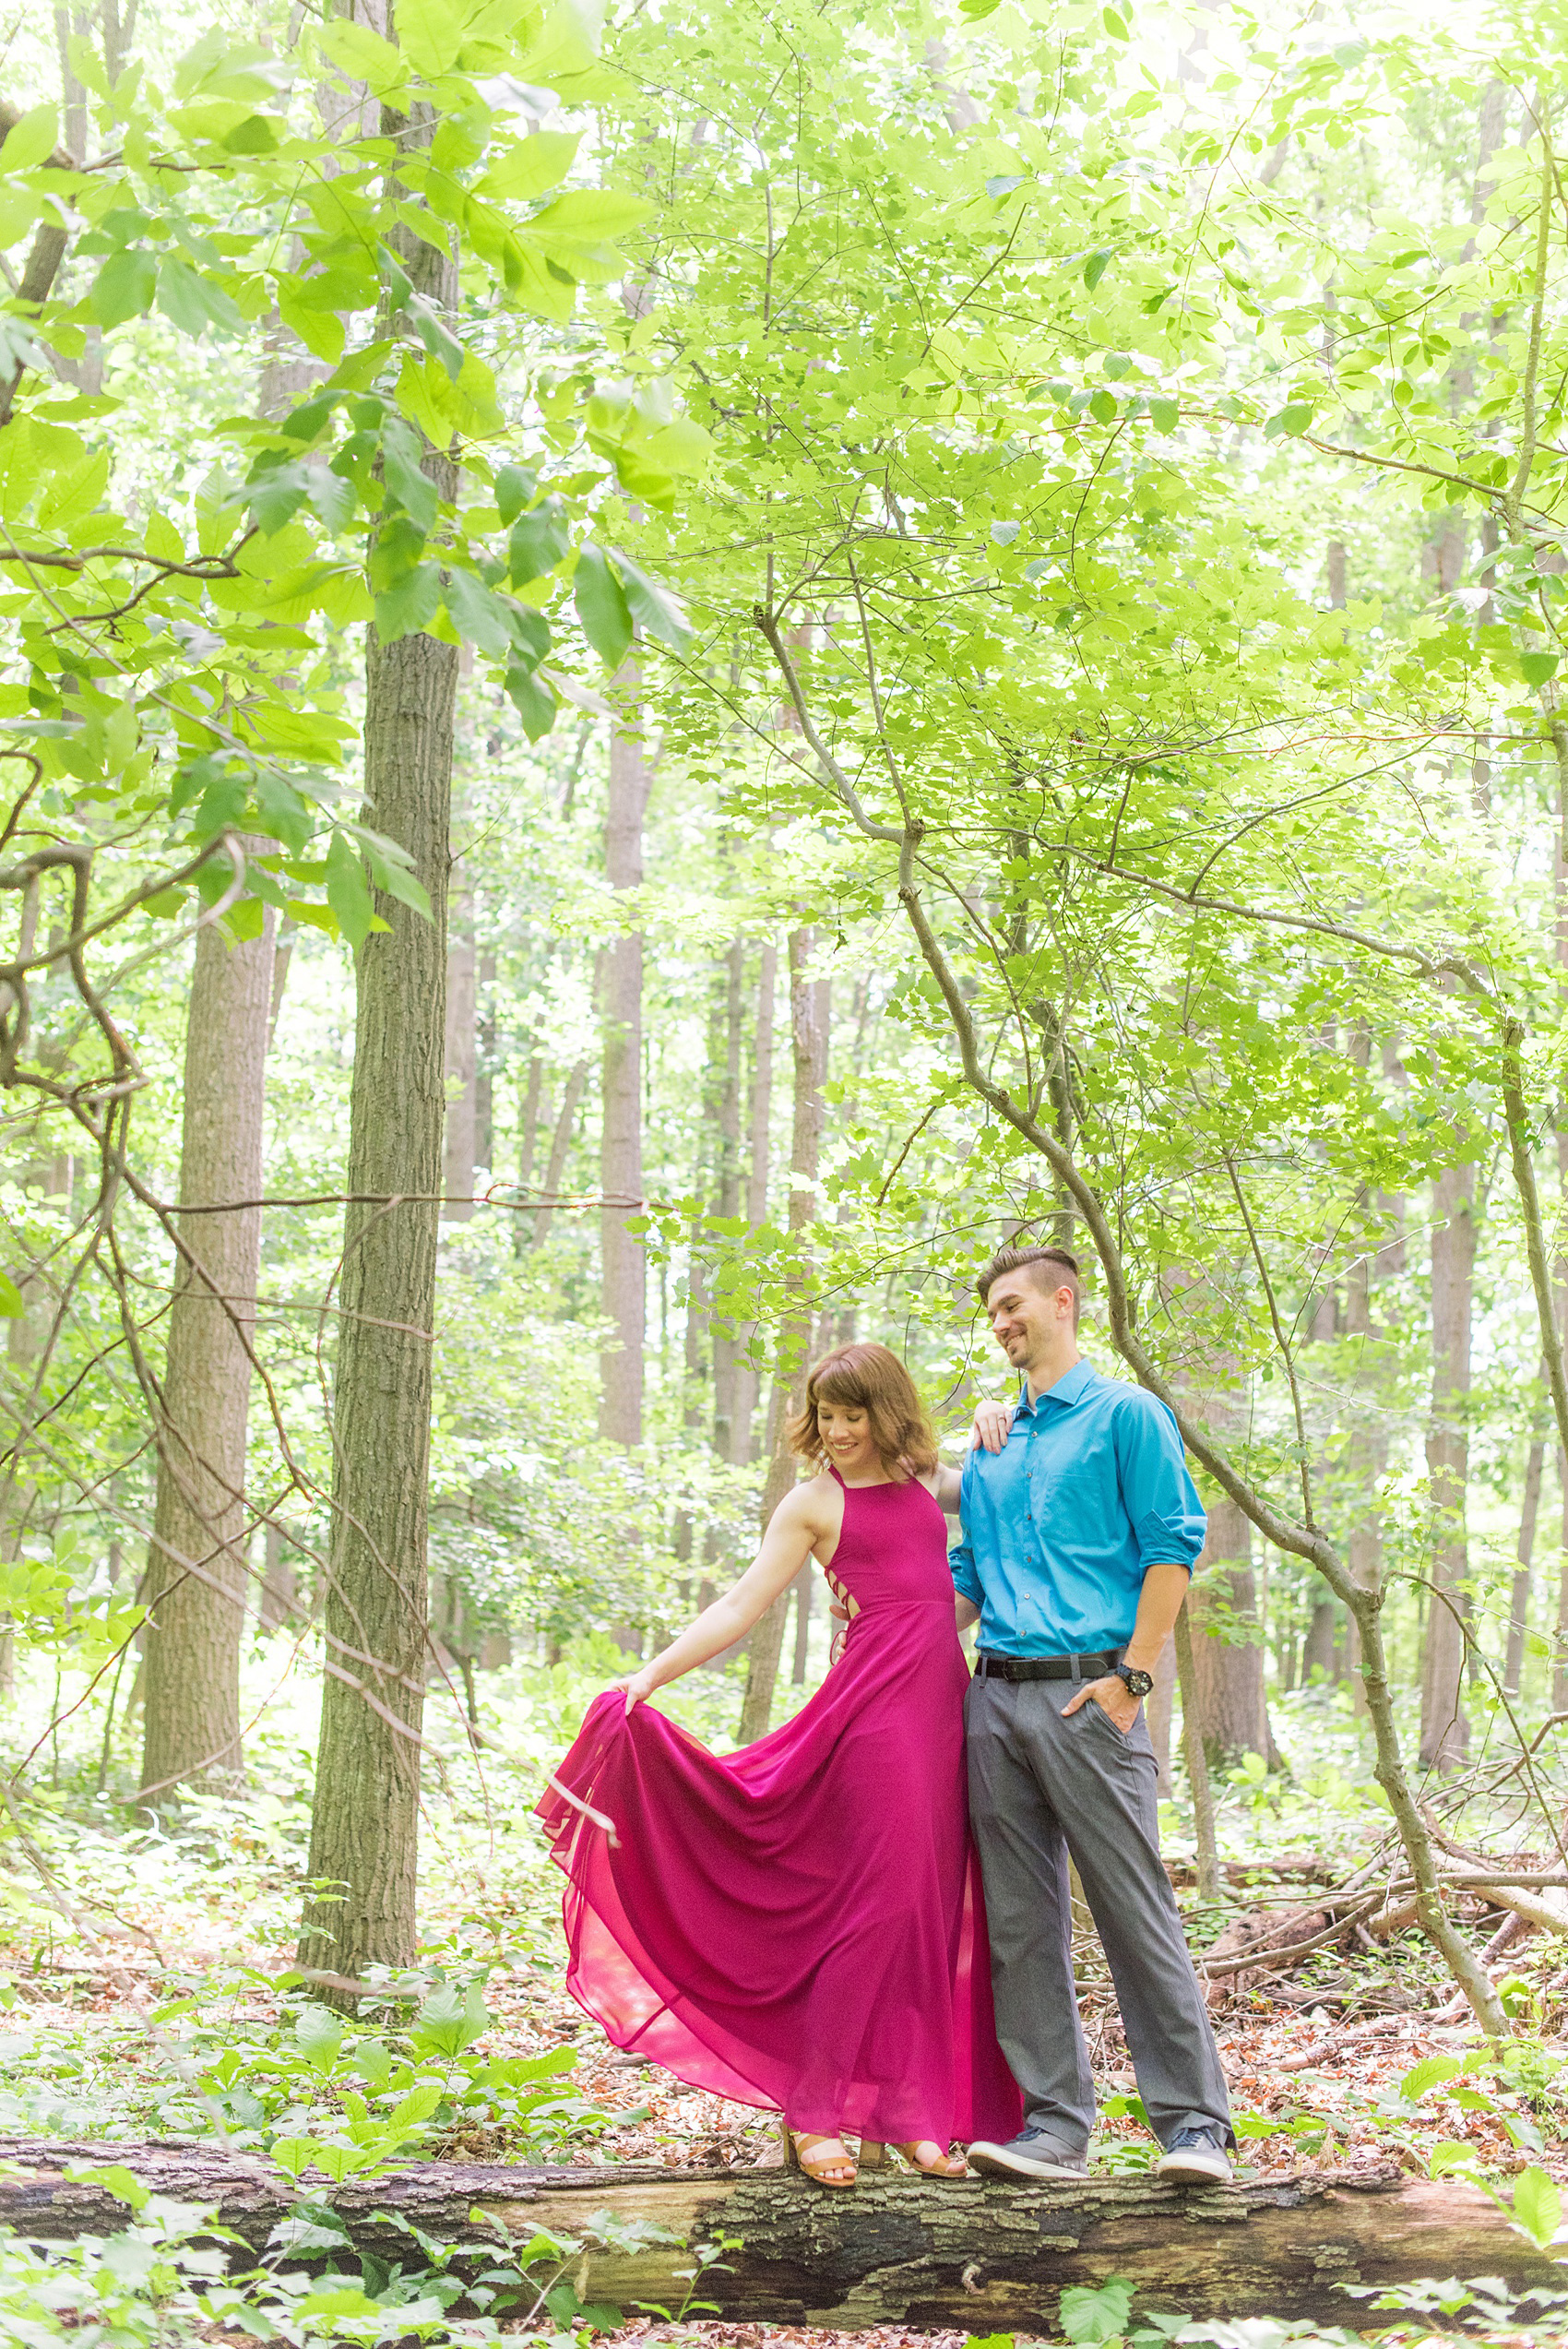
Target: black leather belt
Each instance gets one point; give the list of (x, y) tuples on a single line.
[(1046, 1667)]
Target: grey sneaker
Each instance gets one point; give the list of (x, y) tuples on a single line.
[(1195, 2156), (1029, 2154)]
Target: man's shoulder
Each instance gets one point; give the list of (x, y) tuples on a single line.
[(1123, 1401)]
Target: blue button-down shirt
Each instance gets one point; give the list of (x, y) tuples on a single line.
[(1061, 1526)]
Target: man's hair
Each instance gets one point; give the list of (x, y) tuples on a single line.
[(873, 1380), (1062, 1273)]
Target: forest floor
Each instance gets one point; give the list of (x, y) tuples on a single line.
[(164, 2009)]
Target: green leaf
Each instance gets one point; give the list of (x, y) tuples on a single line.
[(293, 2154), (415, 492), (115, 2179), (588, 214), (1165, 414), (1103, 408), (410, 604), (1095, 268), (1537, 2206), (1430, 2073), (31, 140), (12, 1301), (515, 484), (348, 892), (531, 167), (1097, 2312), (477, 614), (1535, 668), (532, 699), (123, 287), (430, 34), (414, 2109), (363, 56), (318, 2034), (537, 542), (651, 606), (602, 606)]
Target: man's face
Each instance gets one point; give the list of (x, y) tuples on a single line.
[(1026, 1318)]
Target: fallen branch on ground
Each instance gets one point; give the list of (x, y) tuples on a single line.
[(981, 2256)]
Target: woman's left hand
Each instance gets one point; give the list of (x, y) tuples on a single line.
[(636, 1686)]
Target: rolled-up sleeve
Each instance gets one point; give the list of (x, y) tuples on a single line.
[(1160, 1498), (961, 1556)]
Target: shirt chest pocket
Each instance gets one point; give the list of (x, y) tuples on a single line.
[(1065, 1493)]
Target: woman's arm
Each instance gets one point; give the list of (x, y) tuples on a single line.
[(793, 1528), (946, 1484), (968, 1612)]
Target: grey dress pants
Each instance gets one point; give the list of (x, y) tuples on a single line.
[(1040, 1787)]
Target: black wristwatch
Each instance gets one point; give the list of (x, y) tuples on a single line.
[(1137, 1684)]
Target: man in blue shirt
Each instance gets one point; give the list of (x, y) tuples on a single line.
[(1080, 1527)]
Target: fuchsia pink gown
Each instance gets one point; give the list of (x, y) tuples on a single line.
[(801, 1924)]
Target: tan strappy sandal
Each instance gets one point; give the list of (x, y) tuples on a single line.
[(800, 2145), (944, 2165)]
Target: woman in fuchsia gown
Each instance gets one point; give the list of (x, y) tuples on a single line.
[(801, 1924)]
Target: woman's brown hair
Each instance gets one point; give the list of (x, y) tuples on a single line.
[(873, 1380)]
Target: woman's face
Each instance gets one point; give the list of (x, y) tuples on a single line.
[(846, 1434)]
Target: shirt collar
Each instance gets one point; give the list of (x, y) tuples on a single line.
[(1067, 1390)]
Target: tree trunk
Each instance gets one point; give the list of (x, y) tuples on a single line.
[(759, 1124), (624, 1263), (1519, 1598), (560, 1147), (804, 1587), (462, 974), (365, 1818), (195, 1573), (1446, 1730), (1228, 1671), (726, 1344), (1195, 1757), (809, 1017), (1366, 1454), (978, 2257), (280, 1590), (1162, 1704), (484, 1067), (1317, 1648)]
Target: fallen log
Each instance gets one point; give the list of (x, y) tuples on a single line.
[(980, 2256)]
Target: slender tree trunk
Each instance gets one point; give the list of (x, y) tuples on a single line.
[(484, 1067), (560, 1149), (809, 1014), (1445, 1729), (1519, 1598), (462, 974), (624, 1266), (1160, 1706), (195, 1575), (364, 1822), (759, 1131), (278, 1593), (1366, 1454), (1197, 1760), (527, 1124), (726, 1344), (804, 1587), (1227, 1673)]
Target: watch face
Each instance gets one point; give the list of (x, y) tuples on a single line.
[(1138, 1684)]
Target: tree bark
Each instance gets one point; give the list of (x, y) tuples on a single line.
[(1446, 1728), (365, 1816), (196, 1571), (759, 1123), (485, 1066), (1519, 1597), (280, 1586), (978, 2257), (1196, 1758), (810, 1011), (462, 978), (560, 1148), (623, 1261), (726, 1341), (1232, 1710)]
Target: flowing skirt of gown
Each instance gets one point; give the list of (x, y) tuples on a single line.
[(799, 1924)]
